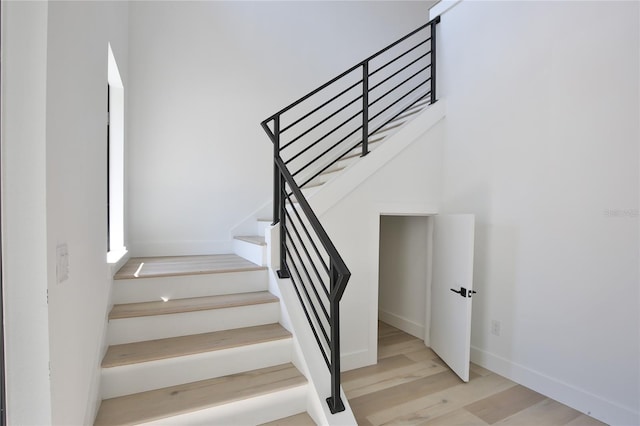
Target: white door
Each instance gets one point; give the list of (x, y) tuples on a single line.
[(451, 290)]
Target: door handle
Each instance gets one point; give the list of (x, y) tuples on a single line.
[(464, 292)]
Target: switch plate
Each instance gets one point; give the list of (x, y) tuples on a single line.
[(62, 263), (495, 327)]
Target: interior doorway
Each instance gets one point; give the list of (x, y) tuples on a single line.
[(405, 269), (425, 284)]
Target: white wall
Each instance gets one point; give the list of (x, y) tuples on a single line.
[(403, 276), (24, 243), (76, 170), (203, 77), (542, 134)]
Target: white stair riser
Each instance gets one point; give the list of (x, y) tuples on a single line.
[(182, 287), (128, 330), (252, 252), (262, 226), (251, 411), (134, 378)]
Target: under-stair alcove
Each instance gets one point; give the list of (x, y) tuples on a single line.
[(405, 273)]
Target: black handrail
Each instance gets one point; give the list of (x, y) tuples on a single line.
[(307, 255)]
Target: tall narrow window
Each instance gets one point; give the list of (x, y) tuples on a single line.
[(115, 163)]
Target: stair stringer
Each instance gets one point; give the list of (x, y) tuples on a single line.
[(332, 192), (306, 356)]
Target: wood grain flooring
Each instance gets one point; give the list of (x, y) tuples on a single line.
[(411, 385), (140, 309), (302, 419), (133, 353), (149, 267), (174, 400)]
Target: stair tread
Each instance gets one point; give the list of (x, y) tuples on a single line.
[(302, 419), (140, 309), (152, 350), (170, 401), (148, 267), (253, 239)]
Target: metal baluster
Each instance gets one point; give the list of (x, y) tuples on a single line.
[(276, 171), (434, 23), (335, 401), (365, 108)]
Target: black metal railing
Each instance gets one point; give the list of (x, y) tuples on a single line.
[(339, 120)]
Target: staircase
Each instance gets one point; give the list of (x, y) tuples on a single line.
[(196, 340)]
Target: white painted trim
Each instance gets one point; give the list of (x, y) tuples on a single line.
[(127, 330), (579, 399), (255, 253), (402, 323), (181, 287), (251, 411), (145, 376), (177, 248), (441, 7)]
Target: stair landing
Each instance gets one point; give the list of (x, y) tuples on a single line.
[(168, 266)]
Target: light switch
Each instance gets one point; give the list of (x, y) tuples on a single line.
[(62, 263)]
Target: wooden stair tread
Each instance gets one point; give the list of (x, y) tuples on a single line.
[(166, 402), (253, 239), (141, 309), (148, 267), (302, 419), (151, 350)]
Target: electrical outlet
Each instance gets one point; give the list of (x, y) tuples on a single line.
[(495, 327), (62, 263)]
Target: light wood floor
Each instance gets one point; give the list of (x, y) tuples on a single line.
[(411, 385)]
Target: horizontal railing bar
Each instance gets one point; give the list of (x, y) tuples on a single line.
[(304, 287), (326, 242), (306, 313), (313, 92), (320, 107), (322, 122), (404, 96), (332, 163), (398, 85), (398, 72), (398, 100), (324, 153), (353, 68), (400, 56), (306, 231), (304, 248), (323, 137)]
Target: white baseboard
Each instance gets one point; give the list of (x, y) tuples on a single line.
[(180, 248), (353, 360), (404, 324), (579, 399)]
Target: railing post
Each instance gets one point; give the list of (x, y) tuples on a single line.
[(276, 170), (283, 271), (335, 401), (365, 108), (434, 23), (279, 199)]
